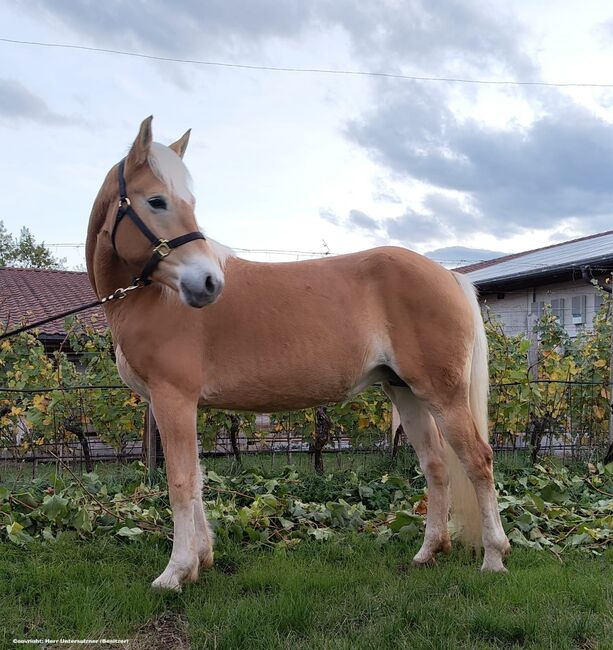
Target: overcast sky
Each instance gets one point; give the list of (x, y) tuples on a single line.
[(284, 160)]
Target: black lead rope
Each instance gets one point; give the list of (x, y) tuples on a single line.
[(161, 249), (118, 294)]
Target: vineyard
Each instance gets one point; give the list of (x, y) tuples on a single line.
[(282, 528), (551, 397)]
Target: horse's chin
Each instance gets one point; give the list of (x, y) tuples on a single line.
[(197, 302)]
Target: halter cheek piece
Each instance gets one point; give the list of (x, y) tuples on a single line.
[(161, 247)]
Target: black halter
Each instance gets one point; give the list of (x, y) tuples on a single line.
[(161, 247)]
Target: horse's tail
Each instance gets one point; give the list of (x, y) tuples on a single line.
[(465, 513)]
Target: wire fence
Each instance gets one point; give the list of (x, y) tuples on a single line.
[(84, 425)]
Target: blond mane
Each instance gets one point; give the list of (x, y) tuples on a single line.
[(170, 169)]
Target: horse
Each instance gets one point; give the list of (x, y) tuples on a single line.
[(216, 330)]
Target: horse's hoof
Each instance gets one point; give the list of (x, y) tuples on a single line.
[(174, 576), (494, 568), (424, 564), (493, 563), (167, 583)]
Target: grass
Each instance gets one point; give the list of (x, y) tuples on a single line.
[(347, 593)]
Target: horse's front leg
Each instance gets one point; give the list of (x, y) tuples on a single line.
[(176, 418)]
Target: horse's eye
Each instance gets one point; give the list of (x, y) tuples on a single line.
[(157, 203)]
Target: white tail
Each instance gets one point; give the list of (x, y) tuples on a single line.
[(465, 513)]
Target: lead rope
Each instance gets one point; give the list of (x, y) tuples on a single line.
[(118, 294)]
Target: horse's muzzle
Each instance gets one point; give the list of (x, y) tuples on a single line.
[(202, 291)]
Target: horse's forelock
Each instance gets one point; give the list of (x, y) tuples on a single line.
[(170, 169)]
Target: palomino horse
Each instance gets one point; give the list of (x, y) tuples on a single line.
[(288, 336)]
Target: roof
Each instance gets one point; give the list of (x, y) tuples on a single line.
[(30, 295), (566, 256)]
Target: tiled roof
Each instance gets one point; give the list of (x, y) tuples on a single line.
[(33, 294), (565, 254)]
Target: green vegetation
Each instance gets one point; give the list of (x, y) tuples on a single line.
[(346, 593), (569, 402), (25, 252), (305, 560), (563, 391), (542, 507)]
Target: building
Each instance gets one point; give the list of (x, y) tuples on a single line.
[(29, 295), (515, 288)]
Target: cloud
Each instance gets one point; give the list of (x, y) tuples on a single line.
[(511, 179), (413, 228), (515, 178), (433, 35), (17, 103), (387, 33), (329, 216), (182, 27), (384, 193), (362, 220)]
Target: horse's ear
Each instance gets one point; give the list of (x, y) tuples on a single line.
[(180, 145), (140, 149)]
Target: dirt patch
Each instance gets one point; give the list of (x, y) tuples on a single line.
[(166, 632)]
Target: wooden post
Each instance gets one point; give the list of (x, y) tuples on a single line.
[(610, 449), (533, 351), (152, 447)]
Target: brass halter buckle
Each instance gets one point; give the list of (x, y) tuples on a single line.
[(162, 249)]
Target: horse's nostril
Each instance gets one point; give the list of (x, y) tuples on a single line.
[(210, 285)]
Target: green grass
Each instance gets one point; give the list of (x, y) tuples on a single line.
[(347, 593)]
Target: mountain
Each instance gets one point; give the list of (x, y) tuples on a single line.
[(453, 256)]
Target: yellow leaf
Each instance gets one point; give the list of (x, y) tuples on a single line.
[(600, 363), (40, 403)]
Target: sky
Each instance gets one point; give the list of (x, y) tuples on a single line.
[(309, 162)]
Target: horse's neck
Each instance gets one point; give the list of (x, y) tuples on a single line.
[(109, 271)]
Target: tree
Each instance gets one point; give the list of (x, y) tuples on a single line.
[(23, 251)]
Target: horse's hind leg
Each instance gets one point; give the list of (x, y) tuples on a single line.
[(455, 420), (429, 445), (176, 418)]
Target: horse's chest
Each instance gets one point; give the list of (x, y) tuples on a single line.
[(129, 375)]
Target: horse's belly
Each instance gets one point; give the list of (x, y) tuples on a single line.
[(265, 397)]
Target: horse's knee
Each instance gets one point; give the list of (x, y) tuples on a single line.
[(435, 471)]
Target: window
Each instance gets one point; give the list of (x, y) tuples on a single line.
[(557, 309), (578, 308), (598, 300)]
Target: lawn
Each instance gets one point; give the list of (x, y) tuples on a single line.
[(275, 585), (345, 593)]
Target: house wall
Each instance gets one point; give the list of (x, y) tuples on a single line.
[(519, 307)]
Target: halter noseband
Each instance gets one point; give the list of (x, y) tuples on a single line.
[(161, 247)]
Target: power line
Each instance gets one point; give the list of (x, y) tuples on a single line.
[(272, 251), (331, 71), (234, 248)]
